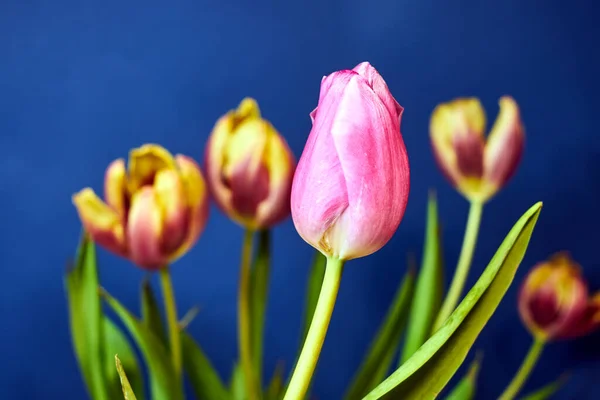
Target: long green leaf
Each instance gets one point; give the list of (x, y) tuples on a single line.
[(428, 293), (202, 375), (426, 373), (127, 391), (163, 381), (236, 386), (117, 343), (260, 285), (465, 390), (151, 316), (547, 391), (385, 342), (85, 314)]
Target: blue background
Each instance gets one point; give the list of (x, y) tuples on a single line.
[(82, 82)]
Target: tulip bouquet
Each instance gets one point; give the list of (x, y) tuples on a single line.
[(346, 196)]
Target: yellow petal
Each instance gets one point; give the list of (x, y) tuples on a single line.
[(145, 162), (115, 187), (144, 230), (248, 109), (246, 145), (504, 146), (171, 198), (102, 222), (197, 200)]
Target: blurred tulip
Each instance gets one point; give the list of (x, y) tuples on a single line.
[(351, 185), (554, 302), (249, 168), (153, 213), (476, 167)]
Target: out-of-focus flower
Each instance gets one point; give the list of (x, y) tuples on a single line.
[(351, 185), (476, 167), (152, 213), (554, 302), (249, 168)]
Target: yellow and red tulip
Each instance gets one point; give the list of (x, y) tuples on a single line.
[(152, 212), (554, 302), (477, 167), (249, 168)]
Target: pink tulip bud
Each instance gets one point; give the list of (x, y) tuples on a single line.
[(152, 213), (554, 302), (476, 167), (351, 185), (249, 168)]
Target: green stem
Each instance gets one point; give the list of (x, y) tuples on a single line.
[(311, 350), (523, 373), (464, 263), (172, 322), (244, 328)]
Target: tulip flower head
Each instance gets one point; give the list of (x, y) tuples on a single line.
[(249, 168), (152, 213), (351, 185), (554, 301), (477, 167)]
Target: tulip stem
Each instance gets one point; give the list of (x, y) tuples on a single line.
[(244, 328), (525, 369), (464, 263), (311, 349), (172, 322)]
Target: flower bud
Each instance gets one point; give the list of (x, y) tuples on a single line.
[(476, 167), (152, 213), (249, 168), (351, 185), (554, 302)]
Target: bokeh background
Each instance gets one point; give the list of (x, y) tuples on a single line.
[(83, 81)]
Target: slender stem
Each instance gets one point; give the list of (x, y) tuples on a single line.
[(311, 350), (525, 369), (464, 263), (244, 328), (171, 314)]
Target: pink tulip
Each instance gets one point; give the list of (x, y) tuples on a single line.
[(351, 184)]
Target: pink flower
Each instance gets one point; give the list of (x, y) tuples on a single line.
[(351, 184)]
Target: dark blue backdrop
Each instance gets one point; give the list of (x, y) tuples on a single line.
[(82, 82)]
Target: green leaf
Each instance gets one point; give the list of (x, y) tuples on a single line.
[(117, 343), (547, 391), (151, 316), (275, 388), (426, 373), (258, 302), (428, 290), (465, 390), (236, 386), (378, 359), (85, 314), (204, 379), (315, 281), (163, 381), (127, 391)]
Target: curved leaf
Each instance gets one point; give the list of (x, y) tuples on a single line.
[(117, 343), (127, 391), (465, 390), (85, 315), (429, 288), (426, 373), (380, 355), (203, 377), (163, 381)]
